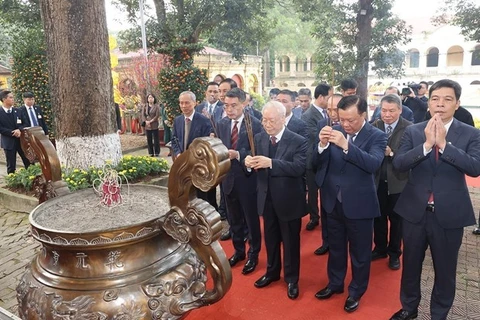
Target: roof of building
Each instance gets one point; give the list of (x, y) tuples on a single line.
[(139, 52)]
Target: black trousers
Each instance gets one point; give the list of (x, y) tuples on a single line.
[(344, 235), (153, 142), (11, 158), (384, 241), (313, 193), (277, 232), (444, 246), (242, 212), (210, 196)]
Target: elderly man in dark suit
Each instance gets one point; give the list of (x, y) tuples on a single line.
[(349, 155), (240, 186), (311, 117), (435, 204), (280, 165), (390, 184), (406, 112), (10, 126), (186, 128), (32, 114)]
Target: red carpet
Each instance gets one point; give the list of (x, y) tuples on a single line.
[(244, 301)]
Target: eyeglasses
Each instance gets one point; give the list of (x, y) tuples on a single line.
[(270, 121)]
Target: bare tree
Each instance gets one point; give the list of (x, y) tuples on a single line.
[(80, 81)]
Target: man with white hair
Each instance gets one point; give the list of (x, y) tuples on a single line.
[(280, 163)]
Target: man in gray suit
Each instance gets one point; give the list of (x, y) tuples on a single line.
[(390, 184), (311, 117)]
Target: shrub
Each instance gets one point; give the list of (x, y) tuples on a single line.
[(178, 76), (129, 168), (23, 178), (30, 71)]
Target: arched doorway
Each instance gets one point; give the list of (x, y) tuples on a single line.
[(252, 83), (239, 80)]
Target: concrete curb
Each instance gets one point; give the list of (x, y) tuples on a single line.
[(17, 202)]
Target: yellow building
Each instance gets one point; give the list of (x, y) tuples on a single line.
[(5, 77)]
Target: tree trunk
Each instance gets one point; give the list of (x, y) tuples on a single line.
[(81, 82), (363, 41)]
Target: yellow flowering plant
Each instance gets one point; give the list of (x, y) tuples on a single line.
[(130, 167)]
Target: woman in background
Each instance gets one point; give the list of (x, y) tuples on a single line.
[(150, 115)]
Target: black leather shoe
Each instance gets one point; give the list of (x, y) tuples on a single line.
[(250, 266), (235, 259), (394, 263), (312, 224), (321, 251), (326, 293), (351, 304), (476, 231), (265, 281), (226, 236), (404, 315), (292, 290), (377, 255)]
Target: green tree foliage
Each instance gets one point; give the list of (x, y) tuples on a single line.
[(21, 13), (352, 37), (180, 75), (462, 13), (233, 25), (30, 70)]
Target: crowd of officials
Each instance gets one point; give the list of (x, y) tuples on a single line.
[(398, 177)]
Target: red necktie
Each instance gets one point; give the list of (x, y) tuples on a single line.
[(234, 138), (430, 199), (273, 140)]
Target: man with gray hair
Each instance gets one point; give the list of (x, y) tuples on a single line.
[(188, 126), (390, 184), (280, 166), (407, 113)]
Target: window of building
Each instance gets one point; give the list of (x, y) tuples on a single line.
[(414, 57), (432, 57), (305, 64), (476, 56)]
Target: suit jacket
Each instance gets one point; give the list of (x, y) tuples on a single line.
[(298, 112), (445, 177), (396, 180), (461, 114), (7, 125), (298, 126), (352, 174), (311, 117), (247, 181), (40, 118), (285, 179), (407, 114), (254, 112), (217, 112), (418, 108), (153, 116), (200, 127)]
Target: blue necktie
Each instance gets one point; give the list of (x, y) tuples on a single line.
[(34, 117)]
